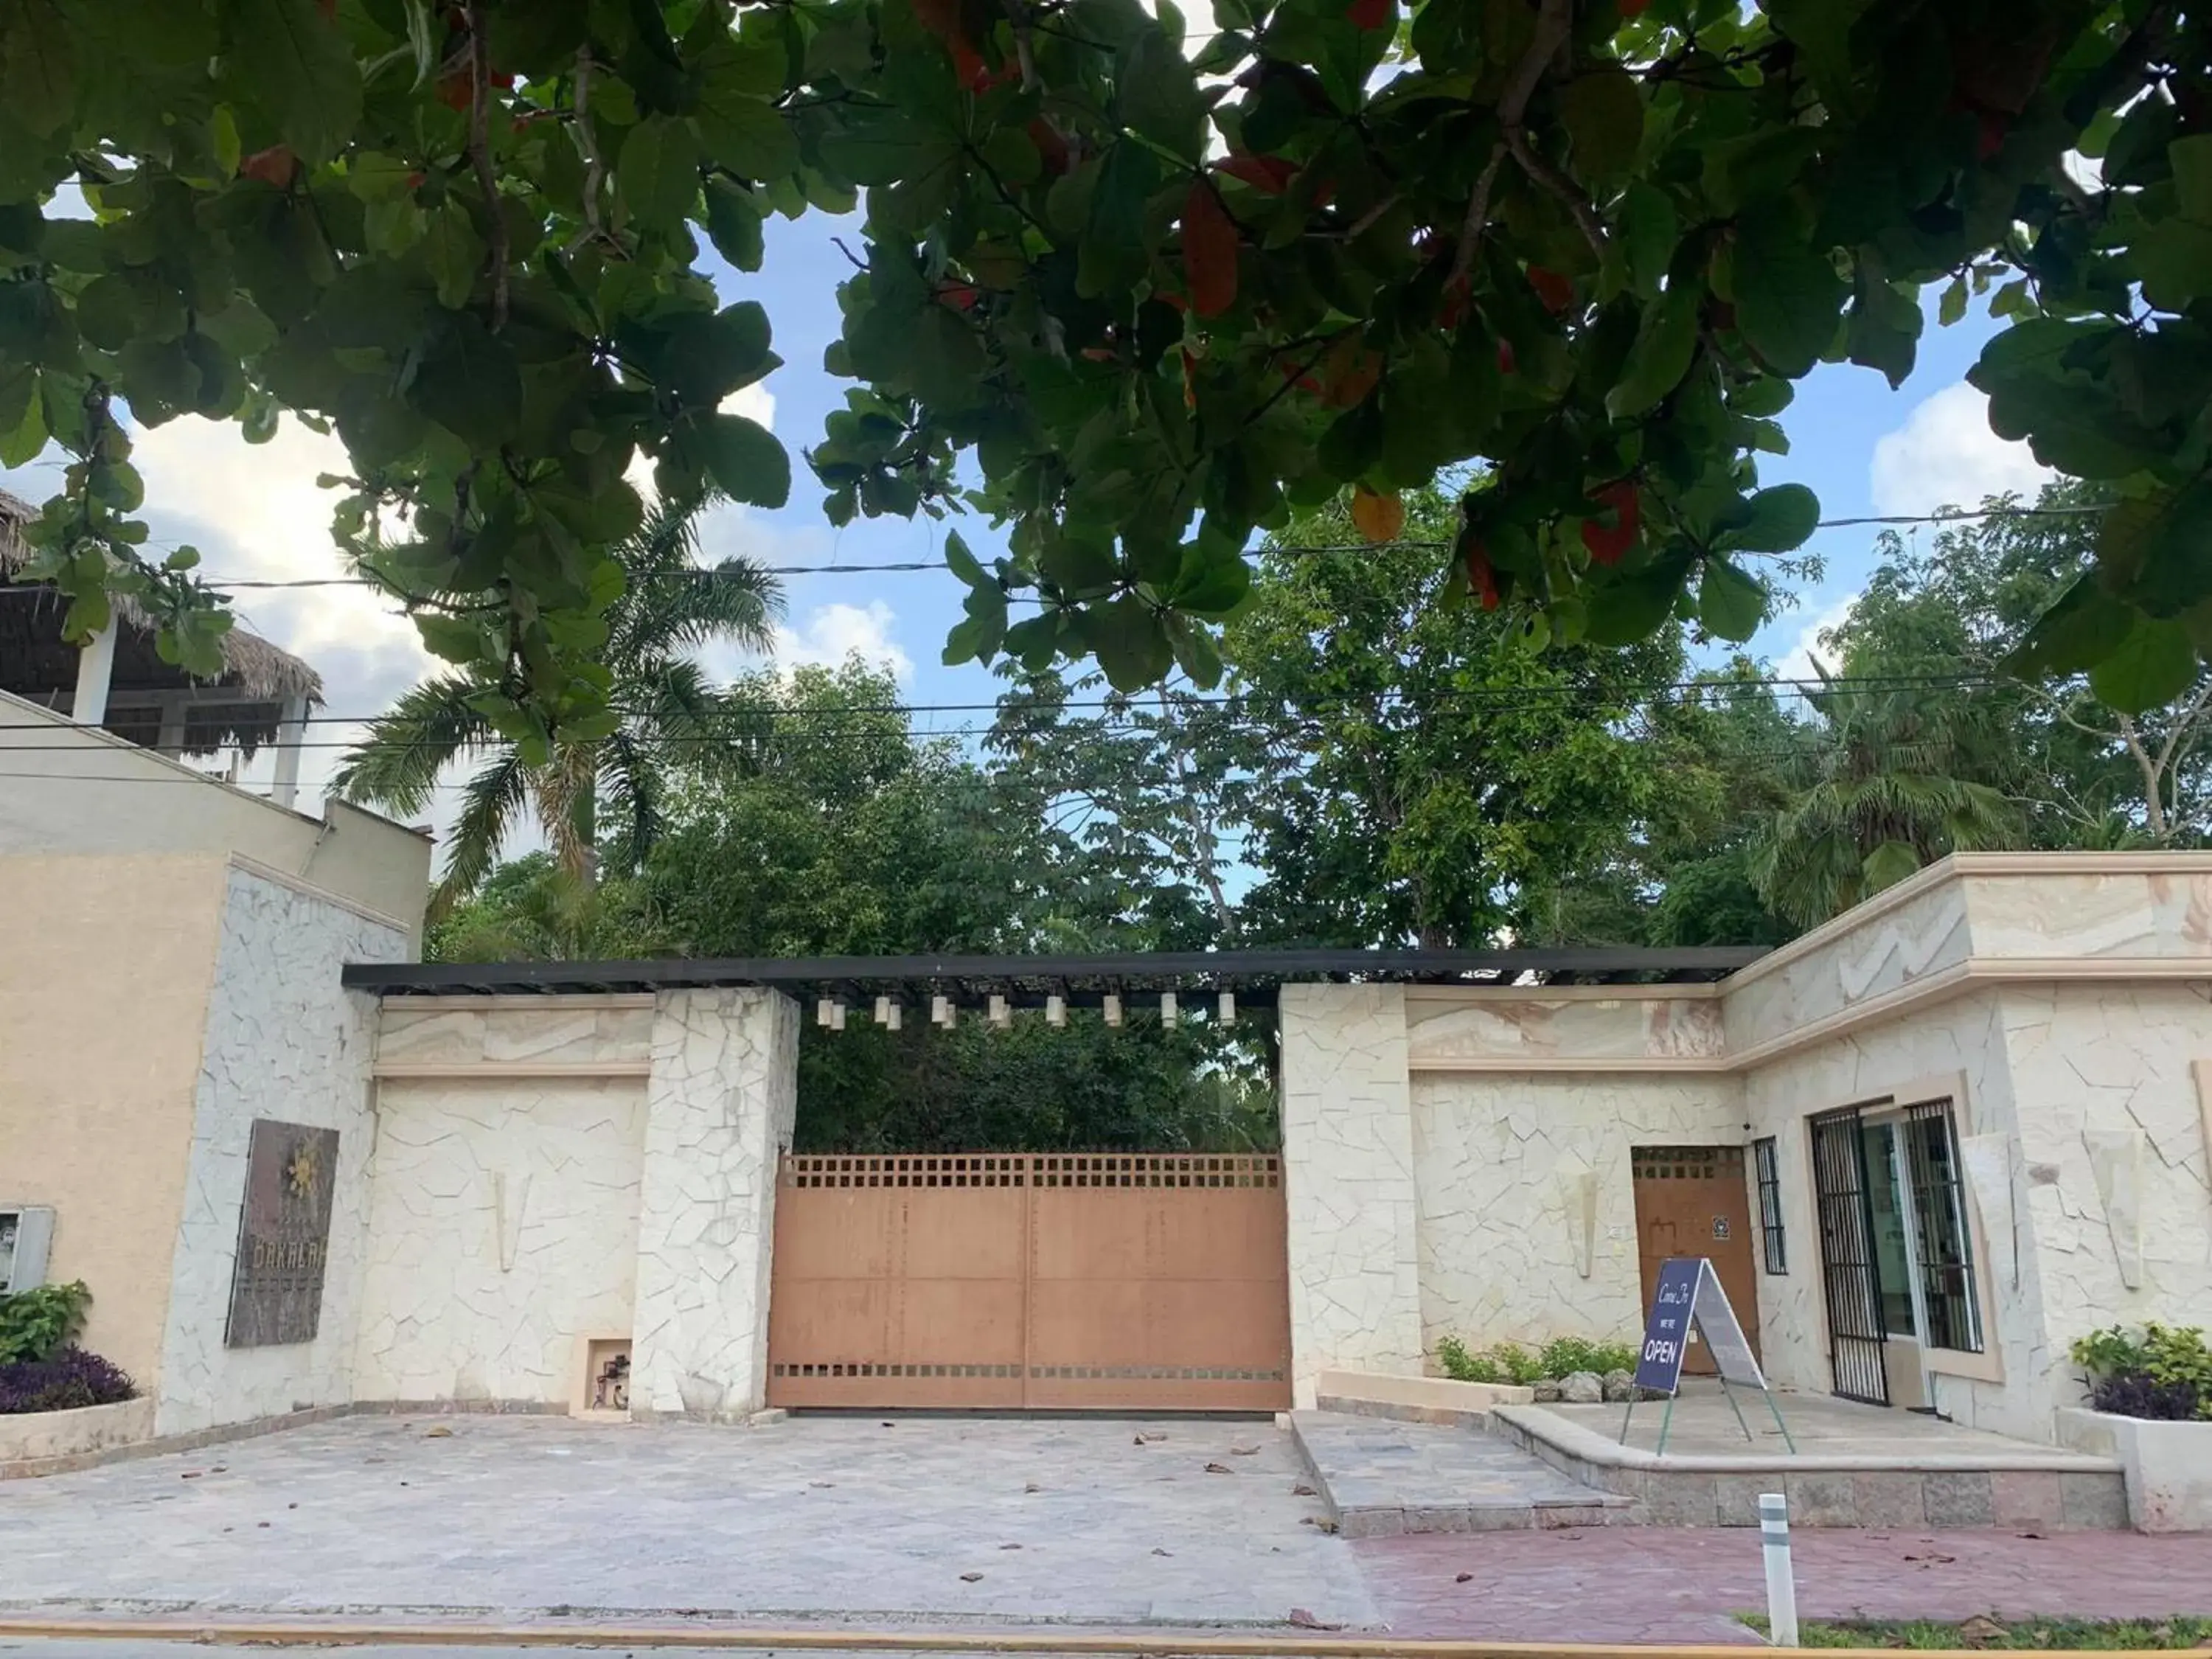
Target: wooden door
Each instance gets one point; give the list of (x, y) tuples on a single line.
[(1693, 1200)]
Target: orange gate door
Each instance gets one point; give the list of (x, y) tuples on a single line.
[(1095, 1281)]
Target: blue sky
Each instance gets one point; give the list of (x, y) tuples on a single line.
[(257, 513)]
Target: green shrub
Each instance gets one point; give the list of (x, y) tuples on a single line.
[(2165, 1373), (36, 1322), (1565, 1355), (1463, 1366)]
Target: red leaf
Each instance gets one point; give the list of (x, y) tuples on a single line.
[(1631, 9), (1190, 369), (1051, 146), (1350, 373), (940, 17), (1484, 579), (1209, 251), (1505, 363), (457, 91), (1270, 174), (1372, 14), (968, 64), (274, 165), (1608, 546), (961, 297), (1555, 290), (1377, 517), (1097, 354), (1452, 312)]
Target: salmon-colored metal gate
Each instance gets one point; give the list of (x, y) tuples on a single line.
[(1096, 1281)]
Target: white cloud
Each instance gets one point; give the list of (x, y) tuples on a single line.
[(1797, 662), (833, 632), (1945, 455)]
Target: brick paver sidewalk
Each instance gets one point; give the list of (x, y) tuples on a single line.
[(1660, 1584)]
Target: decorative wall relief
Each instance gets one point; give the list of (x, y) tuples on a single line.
[(1579, 1197), (1988, 1163), (283, 1235), (2116, 1162)]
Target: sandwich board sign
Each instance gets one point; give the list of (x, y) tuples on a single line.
[(1688, 1304)]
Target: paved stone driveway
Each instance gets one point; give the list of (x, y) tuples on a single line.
[(817, 1518)]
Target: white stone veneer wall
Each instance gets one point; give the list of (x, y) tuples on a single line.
[(1348, 1179), (1499, 1157), (285, 1041), (1963, 1036), (502, 1226), (2108, 1058), (719, 1106)]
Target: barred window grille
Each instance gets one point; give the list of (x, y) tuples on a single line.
[(1772, 1241)]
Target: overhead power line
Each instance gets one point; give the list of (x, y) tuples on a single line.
[(1130, 712), (266, 584)]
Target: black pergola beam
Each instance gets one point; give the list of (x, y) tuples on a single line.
[(1129, 973)]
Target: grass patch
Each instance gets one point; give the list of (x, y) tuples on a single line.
[(2181, 1631)]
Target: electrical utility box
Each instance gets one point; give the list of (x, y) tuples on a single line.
[(27, 1234)]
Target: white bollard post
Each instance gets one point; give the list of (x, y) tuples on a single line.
[(1781, 1582)]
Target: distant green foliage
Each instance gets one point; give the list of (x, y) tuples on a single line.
[(1463, 1366), (36, 1322)]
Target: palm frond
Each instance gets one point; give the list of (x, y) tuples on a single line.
[(489, 804), (397, 765)]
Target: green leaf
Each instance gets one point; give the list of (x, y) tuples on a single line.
[(2154, 664), (964, 564), (468, 382), (455, 254), (1603, 113), (1130, 641), (1887, 865), (1730, 603), (1787, 295), (1159, 96), (2191, 161), (2083, 626), (38, 64), (656, 173), (748, 136), (19, 443), (734, 223), (1630, 607), (1649, 232), (297, 65), (450, 637), (1953, 305), (744, 460), (1661, 357), (1774, 520), (1213, 580)]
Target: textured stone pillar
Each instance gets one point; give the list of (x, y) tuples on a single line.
[(1348, 1175), (719, 1108)]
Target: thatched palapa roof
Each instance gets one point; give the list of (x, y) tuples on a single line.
[(241, 706)]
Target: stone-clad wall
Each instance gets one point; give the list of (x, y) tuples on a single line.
[(1503, 1166), (502, 1228), (720, 1109), (1348, 1179), (283, 1041)]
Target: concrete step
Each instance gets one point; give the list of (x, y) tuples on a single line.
[(1380, 1477)]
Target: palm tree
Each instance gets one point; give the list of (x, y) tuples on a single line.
[(1892, 779), (669, 606)]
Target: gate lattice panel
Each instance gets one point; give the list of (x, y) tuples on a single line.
[(1091, 1280)]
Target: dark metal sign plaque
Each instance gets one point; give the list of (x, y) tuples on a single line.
[(283, 1235)]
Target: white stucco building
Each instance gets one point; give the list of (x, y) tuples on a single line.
[(1927, 1145)]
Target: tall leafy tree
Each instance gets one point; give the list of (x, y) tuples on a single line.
[(1892, 779), (1163, 290), (600, 783), (1418, 771), (2099, 761)]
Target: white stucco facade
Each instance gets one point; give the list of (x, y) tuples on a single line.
[(2061, 1005), (720, 1106), (284, 1042)]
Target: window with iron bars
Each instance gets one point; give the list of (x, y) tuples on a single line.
[(1765, 1167)]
